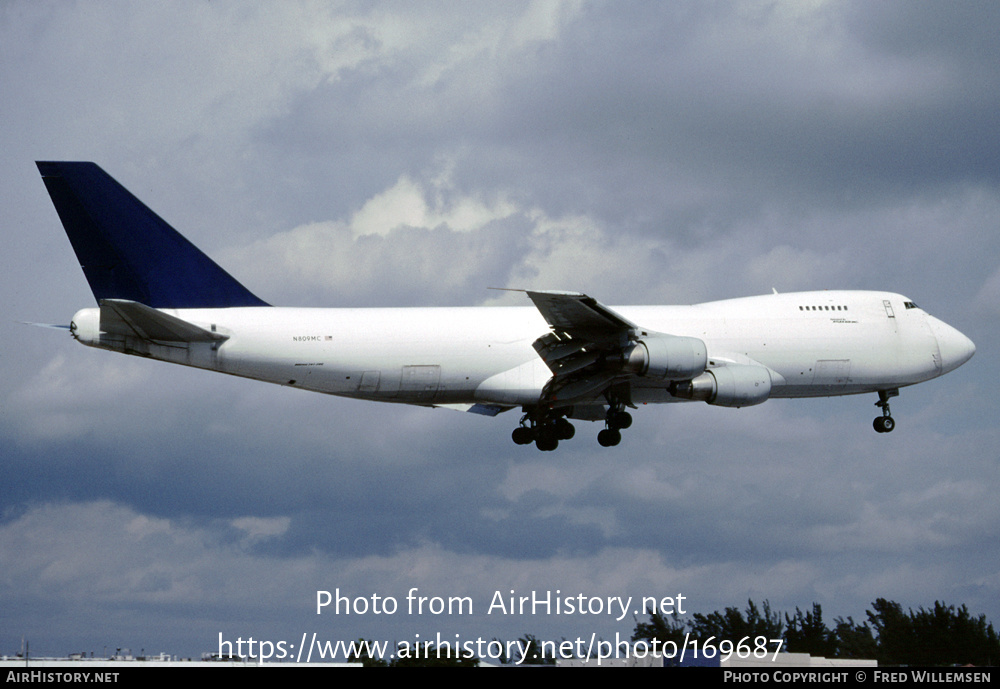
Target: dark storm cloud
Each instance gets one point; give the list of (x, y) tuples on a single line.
[(680, 121), (709, 93)]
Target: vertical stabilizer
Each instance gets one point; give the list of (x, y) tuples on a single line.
[(128, 252)]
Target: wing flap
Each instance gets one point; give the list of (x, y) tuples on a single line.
[(584, 332), (590, 349), (584, 347)]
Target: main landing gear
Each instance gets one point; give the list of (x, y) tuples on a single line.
[(884, 423), (545, 432), (616, 420)]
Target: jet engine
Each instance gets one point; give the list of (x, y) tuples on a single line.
[(671, 357), (735, 385)]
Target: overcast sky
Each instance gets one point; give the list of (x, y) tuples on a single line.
[(398, 154)]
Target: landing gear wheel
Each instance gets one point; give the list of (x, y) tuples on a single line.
[(546, 437), (564, 429), (609, 437), (547, 443), (523, 435), (620, 419), (884, 424)]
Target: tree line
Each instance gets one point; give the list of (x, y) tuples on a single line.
[(942, 635)]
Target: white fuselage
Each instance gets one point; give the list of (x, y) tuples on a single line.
[(813, 343)]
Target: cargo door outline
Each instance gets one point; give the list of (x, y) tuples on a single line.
[(420, 382), (832, 373)]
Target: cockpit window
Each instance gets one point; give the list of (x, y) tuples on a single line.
[(910, 305)]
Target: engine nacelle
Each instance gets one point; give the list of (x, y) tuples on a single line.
[(671, 357), (736, 385)]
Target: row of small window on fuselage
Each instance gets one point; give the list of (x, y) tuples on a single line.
[(823, 308)]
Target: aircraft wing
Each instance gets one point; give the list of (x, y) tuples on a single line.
[(585, 347), (578, 314)]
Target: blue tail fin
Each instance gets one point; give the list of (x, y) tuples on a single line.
[(128, 252)]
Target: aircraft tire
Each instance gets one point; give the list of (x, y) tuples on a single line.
[(609, 437), (621, 419), (522, 435), (547, 443), (564, 429), (884, 424)]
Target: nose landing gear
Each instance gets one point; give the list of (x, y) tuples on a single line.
[(885, 423)]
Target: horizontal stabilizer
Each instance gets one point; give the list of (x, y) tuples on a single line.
[(131, 319)]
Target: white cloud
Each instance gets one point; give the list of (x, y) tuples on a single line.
[(260, 527), (68, 395), (409, 204)]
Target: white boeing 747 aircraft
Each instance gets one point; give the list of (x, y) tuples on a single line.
[(566, 357)]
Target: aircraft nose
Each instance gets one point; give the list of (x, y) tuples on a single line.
[(955, 347)]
